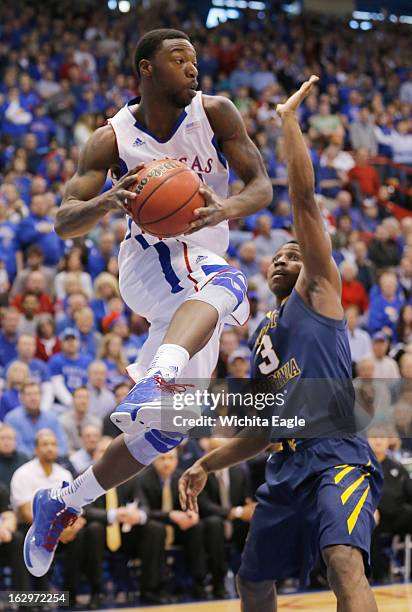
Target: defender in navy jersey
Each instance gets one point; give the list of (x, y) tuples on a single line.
[(320, 492)]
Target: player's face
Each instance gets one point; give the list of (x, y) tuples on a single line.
[(284, 270), (174, 71)]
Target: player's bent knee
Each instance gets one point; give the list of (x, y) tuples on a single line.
[(146, 447), (256, 595), (345, 566), (225, 292)]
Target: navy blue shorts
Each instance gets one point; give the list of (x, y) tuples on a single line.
[(322, 494)]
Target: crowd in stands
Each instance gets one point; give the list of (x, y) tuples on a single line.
[(66, 336)]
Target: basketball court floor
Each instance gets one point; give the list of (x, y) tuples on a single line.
[(394, 598)]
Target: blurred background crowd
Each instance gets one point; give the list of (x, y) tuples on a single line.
[(66, 335)]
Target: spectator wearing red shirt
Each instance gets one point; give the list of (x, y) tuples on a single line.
[(47, 343), (35, 284), (353, 292), (364, 176), (227, 55)]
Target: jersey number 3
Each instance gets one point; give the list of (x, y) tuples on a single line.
[(270, 359)]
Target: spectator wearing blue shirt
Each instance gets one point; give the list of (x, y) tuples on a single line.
[(262, 78), (99, 256), (71, 304), (89, 337), (38, 228), (28, 419), (282, 217), (330, 183), (247, 257), (16, 117), (279, 174), (369, 215), (43, 127), (241, 76), (384, 307), (208, 64), (8, 245), (16, 377), (132, 344), (112, 355), (352, 108), (38, 369), (8, 336), (28, 96), (68, 369), (345, 206), (383, 123), (105, 287), (33, 156)]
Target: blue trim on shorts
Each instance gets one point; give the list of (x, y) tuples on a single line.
[(209, 269), (166, 264)]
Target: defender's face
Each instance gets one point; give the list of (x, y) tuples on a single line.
[(174, 70), (284, 270)]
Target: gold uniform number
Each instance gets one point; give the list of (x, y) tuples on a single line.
[(270, 360)]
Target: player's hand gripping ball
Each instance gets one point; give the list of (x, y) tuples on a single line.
[(167, 193)]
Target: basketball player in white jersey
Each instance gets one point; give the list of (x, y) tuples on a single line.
[(183, 286)]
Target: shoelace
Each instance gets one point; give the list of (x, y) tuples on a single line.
[(63, 519), (171, 387)]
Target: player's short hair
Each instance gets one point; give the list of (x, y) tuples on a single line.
[(151, 42)]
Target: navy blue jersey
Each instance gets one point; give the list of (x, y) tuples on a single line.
[(307, 358), (323, 486)]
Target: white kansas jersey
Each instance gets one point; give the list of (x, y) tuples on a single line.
[(193, 142)]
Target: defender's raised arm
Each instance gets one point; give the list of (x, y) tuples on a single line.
[(313, 240)]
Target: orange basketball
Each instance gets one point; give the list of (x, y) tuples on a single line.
[(167, 194)]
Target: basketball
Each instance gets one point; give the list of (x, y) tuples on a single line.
[(167, 194)]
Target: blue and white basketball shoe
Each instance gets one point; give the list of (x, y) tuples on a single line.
[(50, 517), (151, 404)]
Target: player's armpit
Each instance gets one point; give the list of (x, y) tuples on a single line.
[(83, 204), (98, 155), (242, 155)]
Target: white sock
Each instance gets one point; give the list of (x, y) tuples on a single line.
[(84, 490), (170, 359)]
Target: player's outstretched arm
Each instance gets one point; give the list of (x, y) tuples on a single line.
[(193, 480), (245, 159), (82, 206), (313, 240)]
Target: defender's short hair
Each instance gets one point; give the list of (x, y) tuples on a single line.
[(286, 243), (151, 42)]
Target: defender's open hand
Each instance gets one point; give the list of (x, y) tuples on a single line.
[(295, 100)]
